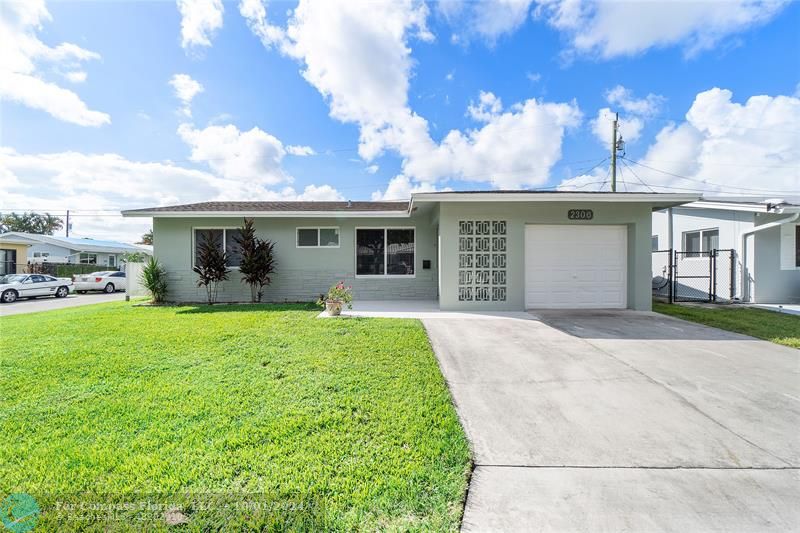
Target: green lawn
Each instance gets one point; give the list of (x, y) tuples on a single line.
[(247, 417), (768, 325)]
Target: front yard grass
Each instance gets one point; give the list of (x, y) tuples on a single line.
[(240, 417), (768, 325)]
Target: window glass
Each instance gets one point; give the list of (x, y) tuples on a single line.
[(112, 260), (206, 235), (38, 279), (370, 252), (710, 240), (232, 248), (400, 252), (88, 259), (654, 242), (692, 243), (329, 236), (307, 237)]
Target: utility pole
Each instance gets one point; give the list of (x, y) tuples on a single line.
[(67, 222), (614, 153)]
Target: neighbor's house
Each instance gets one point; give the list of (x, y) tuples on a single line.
[(501, 250), (13, 253), (51, 249), (764, 236)]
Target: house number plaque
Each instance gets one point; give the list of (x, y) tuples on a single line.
[(580, 214)]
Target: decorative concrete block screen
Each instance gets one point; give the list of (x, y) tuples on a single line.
[(482, 260)]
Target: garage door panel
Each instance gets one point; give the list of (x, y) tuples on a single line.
[(575, 266)]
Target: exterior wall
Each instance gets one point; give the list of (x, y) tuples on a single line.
[(762, 280), (300, 274), (21, 261), (771, 284), (60, 254), (637, 218)]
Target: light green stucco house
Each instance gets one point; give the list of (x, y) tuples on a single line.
[(499, 250)]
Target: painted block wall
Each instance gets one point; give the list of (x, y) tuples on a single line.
[(770, 283), (637, 218), (302, 274)]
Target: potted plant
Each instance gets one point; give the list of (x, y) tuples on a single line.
[(338, 295)]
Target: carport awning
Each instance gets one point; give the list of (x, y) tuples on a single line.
[(656, 200)]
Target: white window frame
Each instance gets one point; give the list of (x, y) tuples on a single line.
[(701, 251), (297, 237), (223, 229), (88, 254), (41, 255), (385, 253)]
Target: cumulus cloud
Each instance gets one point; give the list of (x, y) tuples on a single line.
[(596, 27), (253, 156), (722, 147), (489, 20), (76, 76), (401, 188), (255, 13), (622, 97), (23, 55), (365, 76), (200, 21), (185, 90), (635, 113), (630, 128)]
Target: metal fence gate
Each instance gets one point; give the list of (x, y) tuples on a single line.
[(694, 276)]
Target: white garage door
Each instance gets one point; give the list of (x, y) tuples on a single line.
[(575, 267)]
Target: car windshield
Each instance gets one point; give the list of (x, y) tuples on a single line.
[(12, 278)]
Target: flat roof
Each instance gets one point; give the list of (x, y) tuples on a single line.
[(400, 208)]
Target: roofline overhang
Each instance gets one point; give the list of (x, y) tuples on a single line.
[(268, 214), (656, 200)]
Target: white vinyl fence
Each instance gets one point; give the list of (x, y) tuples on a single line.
[(133, 273)]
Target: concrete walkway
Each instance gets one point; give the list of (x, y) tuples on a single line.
[(623, 421)]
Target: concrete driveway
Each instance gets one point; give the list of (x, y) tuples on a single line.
[(623, 421), (49, 303)]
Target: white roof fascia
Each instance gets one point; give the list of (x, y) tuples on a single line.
[(268, 214)]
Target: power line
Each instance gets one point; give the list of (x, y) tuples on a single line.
[(636, 175)]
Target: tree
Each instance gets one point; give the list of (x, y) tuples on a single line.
[(258, 261), (147, 238), (210, 265), (46, 224)]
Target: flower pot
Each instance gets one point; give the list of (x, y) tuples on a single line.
[(333, 307)]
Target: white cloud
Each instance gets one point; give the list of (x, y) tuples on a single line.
[(23, 53), (401, 188), (200, 21), (301, 151), (611, 29), (648, 106), (76, 76), (90, 183), (255, 13), (372, 169), (630, 128), (360, 62), (533, 77), (489, 20), (724, 147), (185, 90), (253, 156)]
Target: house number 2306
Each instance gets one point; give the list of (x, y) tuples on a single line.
[(580, 214)]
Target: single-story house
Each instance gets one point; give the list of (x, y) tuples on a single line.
[(13, 251), (499, 250), (53, 249), (764, 235)]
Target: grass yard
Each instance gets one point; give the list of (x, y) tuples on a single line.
[(247, 417), (768, 325)]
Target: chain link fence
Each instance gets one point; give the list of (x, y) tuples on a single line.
[(694, 276)]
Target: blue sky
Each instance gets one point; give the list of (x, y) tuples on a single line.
[(360, 100)]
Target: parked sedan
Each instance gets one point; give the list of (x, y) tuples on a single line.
[(13, 286), (101, 281)]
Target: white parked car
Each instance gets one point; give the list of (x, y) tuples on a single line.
[(101, 281), (13, 286)]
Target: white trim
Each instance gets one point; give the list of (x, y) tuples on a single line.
[(269, 214), (654, 198), (385, 253), (752, 207), (297, 237), (701, 251), (224, 229)]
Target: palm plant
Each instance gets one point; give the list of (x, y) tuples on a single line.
[(154, 279)]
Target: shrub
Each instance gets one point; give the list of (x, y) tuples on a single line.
[(337, 293), (211, 266), (258, 261), (154, 279)]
